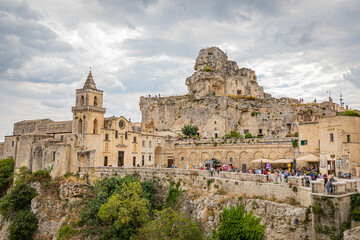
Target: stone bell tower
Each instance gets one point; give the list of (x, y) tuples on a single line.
[(88, 114)]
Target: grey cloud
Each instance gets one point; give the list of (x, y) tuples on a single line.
[(353, 76), (23, 37)]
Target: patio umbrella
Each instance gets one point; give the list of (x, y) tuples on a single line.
[(283, 161), (308, 158), (262, 160)]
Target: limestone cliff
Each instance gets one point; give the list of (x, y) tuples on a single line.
[(222, 98), (220, 115)]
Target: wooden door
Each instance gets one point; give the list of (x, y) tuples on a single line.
[(120, 158)]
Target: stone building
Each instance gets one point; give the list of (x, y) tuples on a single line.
[(335, 140), (89, 140)]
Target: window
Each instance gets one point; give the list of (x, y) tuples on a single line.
[(143, 160), (12, 143), (182, 158), (134, 161), (62, 137), (134, 140), (106, 137), (238, 92), (236, 82), (260, 131), (53, 156), (105, 161), (231, 160), (23, 131), (304, 142), (149, 144), (95, 127), (331, 137), (216, 135), (348, 138), (121, 124), (149, 157), (143, 144), (125, 135), (116, 134), (246, 131), (82, 100), (214, 122), (95, 101), (80, 125)]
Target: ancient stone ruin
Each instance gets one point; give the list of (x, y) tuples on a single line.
[(221, 97)]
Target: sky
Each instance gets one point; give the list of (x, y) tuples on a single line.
[(298, 49)]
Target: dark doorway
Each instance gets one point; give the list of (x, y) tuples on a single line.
[(244, 168), (120, 158), (170, 162), (134, 161)]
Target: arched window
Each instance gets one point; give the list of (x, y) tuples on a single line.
[(95, 101), (95, 127), (82, 100), (80, 125)]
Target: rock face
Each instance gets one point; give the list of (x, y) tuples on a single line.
[(219, 115), (352, 234), (72, 190), (284, 221), (215, 75), (222, 98), (52, 209)]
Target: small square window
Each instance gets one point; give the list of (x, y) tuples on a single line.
[(182, 158), (304, 142), (246, 131), (238, 92)]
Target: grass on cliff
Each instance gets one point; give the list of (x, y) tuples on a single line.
[(6, 174), (15, 207)]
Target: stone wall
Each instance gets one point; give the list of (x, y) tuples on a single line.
[(240, 184), (234, 151)]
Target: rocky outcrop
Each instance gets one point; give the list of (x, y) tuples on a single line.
[(72, 190), (54, 204), (352, 234), (221, 97), (284, 221)]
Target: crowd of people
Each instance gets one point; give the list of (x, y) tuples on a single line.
[(278, 175)]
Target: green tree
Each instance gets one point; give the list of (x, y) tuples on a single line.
[(6, 174), (173, 194), (126, 207), (351, 113), (23, 225), (19, 198), (248, 135), (189, 130), (238, 224), (169, 225)]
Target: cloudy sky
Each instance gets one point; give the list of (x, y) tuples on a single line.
[(297, 48)]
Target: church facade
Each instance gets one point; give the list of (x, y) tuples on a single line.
[(88, 141)]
